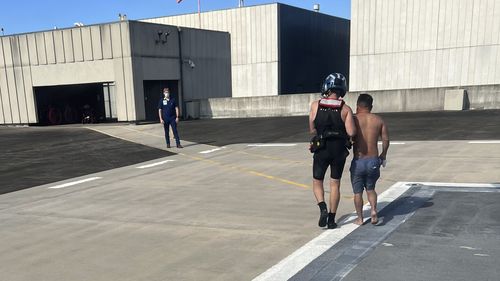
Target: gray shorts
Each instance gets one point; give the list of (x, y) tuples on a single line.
[(364, 173)]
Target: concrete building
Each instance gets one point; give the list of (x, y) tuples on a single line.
[(113, 71), (416, 54), (275, 48)]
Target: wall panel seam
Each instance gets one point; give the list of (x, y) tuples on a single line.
[(6, 82), (16, 94), (24, 86)]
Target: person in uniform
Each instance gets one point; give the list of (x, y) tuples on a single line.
[(168, 111), (332, 124)]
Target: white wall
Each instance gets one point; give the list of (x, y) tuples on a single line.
[(410, 44), (254, 44), (89, 54)]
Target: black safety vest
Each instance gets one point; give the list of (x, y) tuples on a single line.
[(329, 120)]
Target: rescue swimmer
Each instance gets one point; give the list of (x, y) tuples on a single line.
[(331, 122)]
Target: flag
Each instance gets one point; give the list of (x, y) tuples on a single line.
[(178, 1)]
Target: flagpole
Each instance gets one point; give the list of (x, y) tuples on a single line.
[(199, 14)]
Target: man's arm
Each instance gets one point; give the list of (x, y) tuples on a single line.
[(176, 114), (159, 115), (385, 141), (159, 110), (312, 116), (350, 126)]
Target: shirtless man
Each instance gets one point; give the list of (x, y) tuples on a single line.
[(365, 166)]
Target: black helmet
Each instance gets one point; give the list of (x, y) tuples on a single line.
[(335, 82)]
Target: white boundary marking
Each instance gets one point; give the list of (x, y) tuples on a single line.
[(74, 182), (485, 142), (108, 134), (154, 164), (272, 144), (292, 264), (455, 184), (394, 142), (211, 150)]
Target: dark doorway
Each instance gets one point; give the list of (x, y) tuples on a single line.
[(153, 92), (69, 104)]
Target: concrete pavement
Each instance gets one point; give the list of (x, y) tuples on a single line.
[(210, 212)]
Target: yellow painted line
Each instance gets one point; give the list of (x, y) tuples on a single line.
[(229, 149), (294, 183), (273, 158), (231, 167), (142, 132)]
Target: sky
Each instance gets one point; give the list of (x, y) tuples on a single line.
[(18, 16)]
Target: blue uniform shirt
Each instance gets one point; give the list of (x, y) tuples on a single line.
[(167, 108)]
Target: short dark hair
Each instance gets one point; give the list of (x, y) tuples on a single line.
[(365, 100)]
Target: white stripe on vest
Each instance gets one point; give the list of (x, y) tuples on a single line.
[(331, 103)]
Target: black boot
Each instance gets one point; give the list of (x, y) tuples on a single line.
[(323, 215), (331, 221)]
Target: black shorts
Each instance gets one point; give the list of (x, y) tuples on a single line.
[(333, 155)]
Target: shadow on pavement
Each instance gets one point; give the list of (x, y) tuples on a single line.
[(36, 156)]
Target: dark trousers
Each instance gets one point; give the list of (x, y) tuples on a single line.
[(171, 122)]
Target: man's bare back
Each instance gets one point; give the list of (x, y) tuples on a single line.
[(370, 128), (365, 166)]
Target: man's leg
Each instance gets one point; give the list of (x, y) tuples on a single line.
[(371, 180), (372, 198), (358, 182), (334, 202), (336, 169), (167, 135), (334, 195), (176, 134), (319, 170), (319, 193), (358, 205), (318, 190)]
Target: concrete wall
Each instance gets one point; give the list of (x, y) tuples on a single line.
[(415, 44), (125, 53), (254, 44), (284, 105), (89, 54), (205, 63), (477, 97)]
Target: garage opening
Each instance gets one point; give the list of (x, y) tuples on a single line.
[(72, 104), (153, 92)]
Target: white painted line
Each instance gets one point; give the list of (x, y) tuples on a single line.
[(154, 164), (74, 183), (485, 142), (108, 134), (469, 248), (212, 150), (292, 264), (455, 184), (272, 144), (393, 142)]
